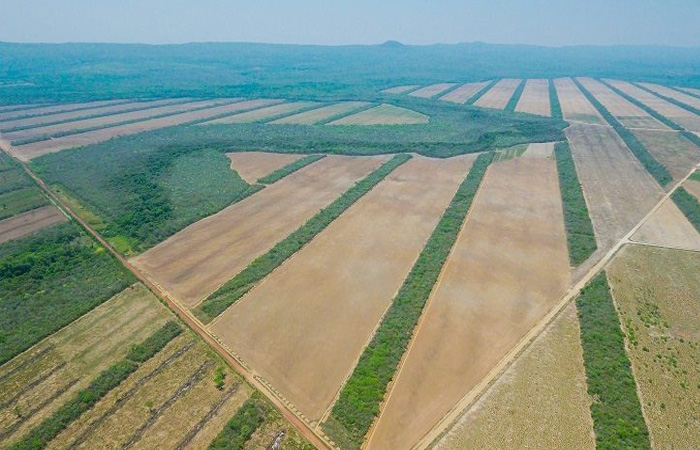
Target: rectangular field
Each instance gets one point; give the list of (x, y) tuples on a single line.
[(668, 227), (535, 98), (690, 90), (335, 290), (29, 222), (574, 105), (264, 113), (676, 153), (21, 200), (320, 114), (693, 187), (492, 290), (251, 166), (464, 92), (432, 90), (674, 94), (196, 261), (401, 89), (383, 115), (499, 95), (25, 106), (10, 115)]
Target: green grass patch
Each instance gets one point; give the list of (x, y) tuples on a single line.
[(239, 285), (359, 401), (475, 98), (554, 104), (617, 415), (237, 431), (687, 203), (21, 200), (661, 118), (579, 229), (289, 169), (513, 102)]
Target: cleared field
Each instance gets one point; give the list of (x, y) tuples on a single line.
[(690, 90), (693, 187), (324, 302), (508, 267), (264, 113), (251, 166), (668, 227), (535, 98), (29, 151), (401, 89), (21, 200), (539, 402), (56, 109), (539, 151), (432, 90), (674, 94), (677, 114), (383, 115), (25, 106), (29, 222), (574, 105), (499, 95), (320, 114), (678, 154), (618, 190), (629, 114), (464, 92), (656, 292), (196, 261)]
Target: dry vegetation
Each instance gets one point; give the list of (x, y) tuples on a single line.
[(676, 153), (574, 105), (535, 98)]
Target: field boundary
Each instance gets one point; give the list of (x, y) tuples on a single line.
[(515, 98), (475, 98), (289, 169), (678, 103)]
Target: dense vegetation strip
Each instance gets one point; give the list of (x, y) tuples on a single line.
[(237, 431), (579, 229), (690, 206), (100, 386), (359, 400), (655, 168), (513, 102), (692, 137), (554, 104), (18, 193), (617, 415), (653, 113), (482, 92), (239, 285), (678, 103), (289, 169)]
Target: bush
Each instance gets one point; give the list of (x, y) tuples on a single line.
[(554, 104), (515, 98), (154, 343)]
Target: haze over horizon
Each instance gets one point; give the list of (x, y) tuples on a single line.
[(534, 22)]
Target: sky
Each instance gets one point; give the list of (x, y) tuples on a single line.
[(335, 22)]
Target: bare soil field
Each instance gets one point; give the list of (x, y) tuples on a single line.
[(679, 155), (677, 114), (55, 109), (629, 114), (509, 266), (540, 402), (535, 98), (690, 90), (251, 166), (325, 301), (539, 151), (432, 90), (29, 151), (674, 94), (574, 105), (29, 222), (668, 227), (618, 190), (34, 384), (383, 115), (499, 95), (320, 114), (196, 261), (693, 187), (464, 92), (23, 107), (264, 113), (657, 291), (401, 89)]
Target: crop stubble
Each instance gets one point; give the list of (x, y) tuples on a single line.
[(535, 98), (499, 95), (574, 105)]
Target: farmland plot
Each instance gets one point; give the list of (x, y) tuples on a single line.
[(507, 269), (535, 98), (668, 227), (676, 153), (464, 92), (29, 222), (401, 89), (574, 105), (324, 302), (196, 261), (499, 95), (690, 90), (674, 94), (383, 115), (252, 166), (264, 113), (432, 90), (56, 109), (26, 106), (320, 114), (693, 187)]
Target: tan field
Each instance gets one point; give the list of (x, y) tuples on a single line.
[(508, 267), (401, 89), (24, 107), (320, 114), (535, 98), (499, 95), (29, 151), (432, 90), (251, 166), (264, 113), (464, 92), (574, 105), (55, 109), (693, 187), (657, 291), (383, 115), (196, 261), (325, 301), (41, 379), (690, 90), (668, 227), (539, 151), (29, 222), (540, 402), (618, 190), (629, 114), (678, 154), (674, 94), (677, 114)]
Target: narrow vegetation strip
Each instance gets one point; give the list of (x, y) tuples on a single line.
[(678, 103), (690, 206), (482, 92), (661, 118), (617, 414), (554, 104), (655, 168), (249, 417), (513, 102), (579, 229), (289, 169), (237, 287), (82, 108), (359, 400)]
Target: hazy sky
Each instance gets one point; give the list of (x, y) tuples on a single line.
[(546, 22)]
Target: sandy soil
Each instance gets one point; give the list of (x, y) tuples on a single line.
[(535, 98), (574, 105), (464, 92), (401, 89), (540, 151), (678, 154), (29, 222), (509, 266), (540, 402), (320, 114), (251, 166), (264, 113), (432, 90), (674, 94), (693, 187), (499, 95), (324, 302), (196, 261), (618, 190), (668, 227), (383, 115), (55, 109)]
